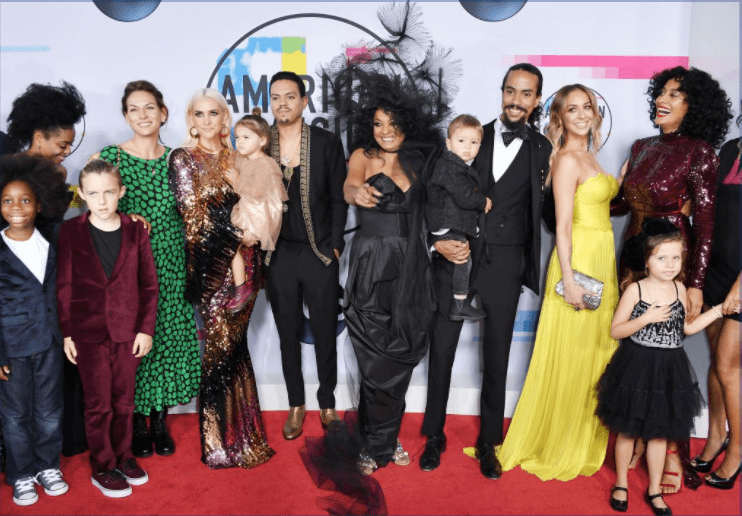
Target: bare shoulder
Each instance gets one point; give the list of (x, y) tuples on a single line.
[(358, 156), (682, 292), (567, 165), (632, 293)]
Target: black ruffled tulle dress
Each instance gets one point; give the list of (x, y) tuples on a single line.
[(649, 389)]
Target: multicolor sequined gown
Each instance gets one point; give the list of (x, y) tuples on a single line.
[(664, 173), (554, 433), (232, 432), (170, 374)]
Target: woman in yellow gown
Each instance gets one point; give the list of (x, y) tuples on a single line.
[(554, 433)]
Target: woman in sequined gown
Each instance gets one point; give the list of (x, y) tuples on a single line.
[(554, 433), (673, 175), (232, 432), (170, 374)]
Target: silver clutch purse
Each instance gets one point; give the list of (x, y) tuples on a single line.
[(588, 283)]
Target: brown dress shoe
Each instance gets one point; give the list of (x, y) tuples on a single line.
[(292, 428), (327, 416)]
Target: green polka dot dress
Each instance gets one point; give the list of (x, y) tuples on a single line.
[(171, 372)]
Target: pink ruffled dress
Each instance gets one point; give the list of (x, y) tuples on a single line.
[(262, 194)]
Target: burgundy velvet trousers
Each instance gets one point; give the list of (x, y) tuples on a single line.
[(108, 372)]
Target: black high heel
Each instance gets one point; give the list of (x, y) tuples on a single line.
[(704, 466), (718, 482), (658, 511), (619, 505)]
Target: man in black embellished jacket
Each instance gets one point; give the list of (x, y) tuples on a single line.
[(304, 265)]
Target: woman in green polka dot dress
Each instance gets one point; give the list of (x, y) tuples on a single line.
[(171, 372)]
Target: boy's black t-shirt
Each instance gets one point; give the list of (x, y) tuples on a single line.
[(107, 245)]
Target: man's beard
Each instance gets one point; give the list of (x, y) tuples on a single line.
[(510, 125)]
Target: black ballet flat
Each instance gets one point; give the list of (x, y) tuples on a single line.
[(718, 482), (658, 511), (619, 505), (704, 466)]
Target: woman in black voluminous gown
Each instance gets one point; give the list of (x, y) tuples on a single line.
[(389, 299)]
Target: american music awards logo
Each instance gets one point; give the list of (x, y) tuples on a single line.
[(243, 71), (603, 108)]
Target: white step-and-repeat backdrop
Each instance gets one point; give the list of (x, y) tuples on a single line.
[(179, 46)]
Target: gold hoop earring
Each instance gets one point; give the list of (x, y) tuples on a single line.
[(191, 132), (221, 133)]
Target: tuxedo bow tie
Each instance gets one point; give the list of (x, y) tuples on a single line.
[(509, 136)]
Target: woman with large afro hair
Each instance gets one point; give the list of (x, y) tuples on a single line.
[(673, 175), (42, 120)]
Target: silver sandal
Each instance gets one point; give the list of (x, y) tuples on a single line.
[(401, 457), (366, 464)]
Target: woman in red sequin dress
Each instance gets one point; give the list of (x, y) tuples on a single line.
[(673, 175), (232, 432)]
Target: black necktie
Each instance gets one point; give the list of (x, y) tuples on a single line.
[(509, 136)]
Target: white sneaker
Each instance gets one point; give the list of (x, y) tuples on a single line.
[(52, 482), (24, 491)]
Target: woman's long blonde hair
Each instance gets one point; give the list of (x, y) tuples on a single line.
[(210, 93), (555, 127)]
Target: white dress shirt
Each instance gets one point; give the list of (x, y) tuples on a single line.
[(503, 156)]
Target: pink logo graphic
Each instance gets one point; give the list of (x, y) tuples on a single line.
[(604, 67)]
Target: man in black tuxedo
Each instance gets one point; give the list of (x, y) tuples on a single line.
[(512, 163), (304, 265)]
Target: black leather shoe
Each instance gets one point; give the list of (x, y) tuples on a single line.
[(619, 505), (431, 456), (141, 444), (718, 482), (704, 466), (488, 463), (164, 444), (658, 511)]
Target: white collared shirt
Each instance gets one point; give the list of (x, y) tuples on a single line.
[(32, 252), (503, 156)]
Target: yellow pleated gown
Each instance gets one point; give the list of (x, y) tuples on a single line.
[(554, 433)]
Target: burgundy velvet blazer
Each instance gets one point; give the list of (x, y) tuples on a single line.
[(93, 307)]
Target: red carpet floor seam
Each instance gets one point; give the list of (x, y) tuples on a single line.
[(182, 484)]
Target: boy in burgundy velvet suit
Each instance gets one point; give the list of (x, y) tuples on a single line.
[(107, 299)]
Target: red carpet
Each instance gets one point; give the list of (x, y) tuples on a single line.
[(181, 484)]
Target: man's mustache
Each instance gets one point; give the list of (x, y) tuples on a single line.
[(515, 106)]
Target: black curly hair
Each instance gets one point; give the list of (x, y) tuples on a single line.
[(47, 184), (46, 108), (403, 103), (709, 107)]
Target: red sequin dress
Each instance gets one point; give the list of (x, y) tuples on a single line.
[(664, 173)]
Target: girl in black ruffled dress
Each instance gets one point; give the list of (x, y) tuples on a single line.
[(649, 390)]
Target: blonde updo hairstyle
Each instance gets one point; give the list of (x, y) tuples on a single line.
[(555, 128), (257, 124), (202, 93)]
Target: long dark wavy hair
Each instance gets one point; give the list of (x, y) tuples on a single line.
[(47, 184), (46, 108), (709, 107)]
